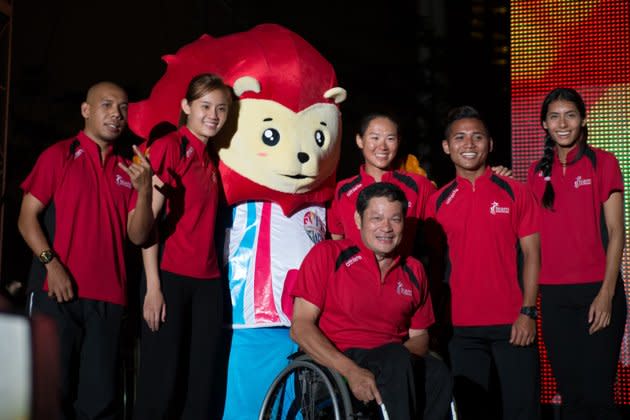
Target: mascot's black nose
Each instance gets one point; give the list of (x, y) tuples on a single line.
[(303, 157)]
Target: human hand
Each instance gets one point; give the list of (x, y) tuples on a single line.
[(599, 312), (59, 282), (523, 331), (363, 385), (502, 170), (154, 309), (139, 171)]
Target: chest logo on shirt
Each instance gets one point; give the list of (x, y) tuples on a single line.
[(451, 196), (496, 209), (314, 227), (189, 152), (78, 153), (402, 290), (122, 182), (353, 190), (579, 182)]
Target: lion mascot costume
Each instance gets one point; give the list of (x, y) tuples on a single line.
[(277, 158)]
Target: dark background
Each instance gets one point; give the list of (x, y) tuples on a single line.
[(414, 58)]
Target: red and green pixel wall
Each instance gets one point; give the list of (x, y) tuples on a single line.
[(585, 45)]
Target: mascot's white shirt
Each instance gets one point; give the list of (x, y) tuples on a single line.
[(260, 287)]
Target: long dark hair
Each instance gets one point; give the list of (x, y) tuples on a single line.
[(546, 162)]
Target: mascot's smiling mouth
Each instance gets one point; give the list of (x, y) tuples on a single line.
[(298, 176)]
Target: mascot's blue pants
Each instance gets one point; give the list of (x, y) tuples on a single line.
[(257, 356)]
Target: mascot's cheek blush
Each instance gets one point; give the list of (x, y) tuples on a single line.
[(261, 154)]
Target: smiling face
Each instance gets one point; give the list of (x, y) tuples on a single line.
[(283, 150), (206, 114), (379, 144), (468, 145), (381, 225), (105, 112), (564, 123)]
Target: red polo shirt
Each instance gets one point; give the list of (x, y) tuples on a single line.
[(572, 248), (340, 215), (357, 310), (483, 223), (182, 162), (92, 200)]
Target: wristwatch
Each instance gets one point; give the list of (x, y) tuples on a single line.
[(46, 256), (530, 311)]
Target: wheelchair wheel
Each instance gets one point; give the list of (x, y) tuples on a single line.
[(305, 390)]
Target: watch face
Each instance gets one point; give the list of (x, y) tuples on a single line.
[(530, 312), (46, 256)]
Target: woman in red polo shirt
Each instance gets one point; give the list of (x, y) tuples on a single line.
[(378, 139), (580, 189), (183, 301)]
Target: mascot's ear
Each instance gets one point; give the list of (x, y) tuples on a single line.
[(337, 94), (246, 84)]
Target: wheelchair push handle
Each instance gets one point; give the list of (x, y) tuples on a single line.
[(384, 411)]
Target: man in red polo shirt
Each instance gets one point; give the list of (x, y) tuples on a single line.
[(92, 199), (485, 216), (363, 309)]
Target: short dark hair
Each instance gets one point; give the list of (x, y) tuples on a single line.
[(381, 189), (460, 113)]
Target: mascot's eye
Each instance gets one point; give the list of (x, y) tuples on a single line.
[(320, 138), (271, 137)]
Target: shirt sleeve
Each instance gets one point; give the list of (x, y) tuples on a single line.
[(426, 191), (333, 217), (527, 212), (429, 207), (609, 177), (45, 176), (423, 317), (313, 276), (164, 157)]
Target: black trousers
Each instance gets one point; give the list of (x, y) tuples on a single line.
[(89, 336), (584, 365), (178, 362), (412, 387), (477, 355)]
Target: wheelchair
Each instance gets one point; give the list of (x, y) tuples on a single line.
[(309, 391)]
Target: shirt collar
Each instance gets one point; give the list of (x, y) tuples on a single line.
[(197, 145), (92, 148), (369, 254), (365, 175), (487, 173), (570, 156)]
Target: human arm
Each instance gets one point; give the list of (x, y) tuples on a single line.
[(59, 282), (141, 218), (524, 328), (600, 310), (306, 333), (418, 342), (336, 236), (154, 306)]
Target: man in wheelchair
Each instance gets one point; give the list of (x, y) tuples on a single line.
[(364, 310)]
